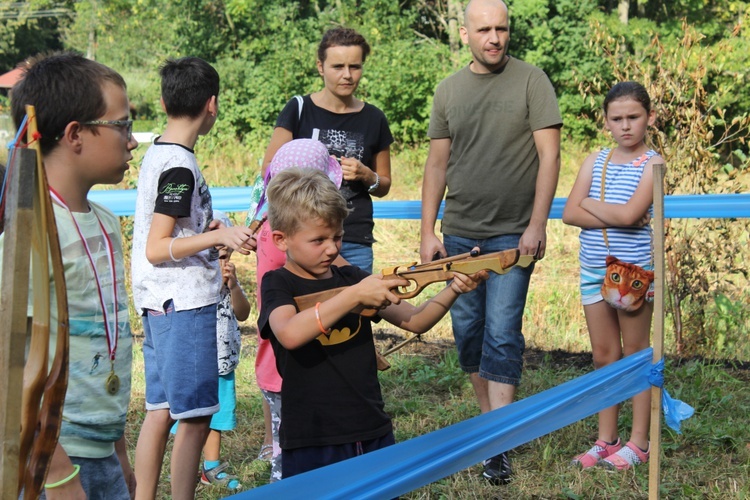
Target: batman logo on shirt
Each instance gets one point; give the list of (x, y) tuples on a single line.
[(336, 336)]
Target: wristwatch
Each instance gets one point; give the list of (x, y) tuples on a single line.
[(376, 185)]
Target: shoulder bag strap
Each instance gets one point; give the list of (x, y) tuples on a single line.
[(601, 194), (300, 103)]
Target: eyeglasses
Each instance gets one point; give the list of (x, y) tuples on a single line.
[(127, 124)]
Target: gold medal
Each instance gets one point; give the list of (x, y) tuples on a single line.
[(113, 384)]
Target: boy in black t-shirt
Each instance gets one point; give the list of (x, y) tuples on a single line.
[(333, 408)]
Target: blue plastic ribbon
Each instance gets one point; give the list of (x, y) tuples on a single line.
[(235, 199), (411, 464), (675, 411)]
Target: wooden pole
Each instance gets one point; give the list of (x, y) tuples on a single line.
[(13, 310), (654, 470)]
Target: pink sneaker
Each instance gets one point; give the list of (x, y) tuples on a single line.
[(628, 456), (601, 449)]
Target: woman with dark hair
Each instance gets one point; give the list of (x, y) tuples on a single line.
[(355, 132)]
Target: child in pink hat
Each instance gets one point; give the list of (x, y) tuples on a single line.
[(305, 153)]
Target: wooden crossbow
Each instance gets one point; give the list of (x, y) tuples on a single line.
[(420, 276)]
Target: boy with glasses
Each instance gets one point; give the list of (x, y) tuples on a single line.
[(73, 96)]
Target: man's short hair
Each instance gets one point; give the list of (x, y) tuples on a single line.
[(300, 194), (186, 86), (63, 87)]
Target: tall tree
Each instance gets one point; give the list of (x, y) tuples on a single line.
[(623, 11), (455, 19)]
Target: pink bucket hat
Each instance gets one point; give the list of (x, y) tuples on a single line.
[(306, 153)]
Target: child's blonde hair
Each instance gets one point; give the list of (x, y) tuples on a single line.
[(300, 194)]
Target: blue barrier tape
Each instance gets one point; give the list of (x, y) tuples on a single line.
[(237, 199), (675, 411), (412, 464)]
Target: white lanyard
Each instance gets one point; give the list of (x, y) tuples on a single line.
[(112, 332)]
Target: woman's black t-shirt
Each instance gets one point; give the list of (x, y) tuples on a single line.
[(360, 135)]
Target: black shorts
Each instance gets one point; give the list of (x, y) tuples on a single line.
[(299, 460)]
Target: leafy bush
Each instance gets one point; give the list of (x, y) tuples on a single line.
[(729, 319), (410, 70)]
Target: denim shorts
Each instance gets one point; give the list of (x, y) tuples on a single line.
[(179, 353), (226, 418), (101, 478), (487, 322), (358, 255)]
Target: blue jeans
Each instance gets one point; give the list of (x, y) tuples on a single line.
[(179, 354), (487, 322), (358, 255)]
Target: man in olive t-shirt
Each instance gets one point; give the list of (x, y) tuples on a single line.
[(495, 144)]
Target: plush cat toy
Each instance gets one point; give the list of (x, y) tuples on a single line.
[(625, 285)]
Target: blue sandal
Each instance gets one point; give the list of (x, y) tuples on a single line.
[(217, 476)]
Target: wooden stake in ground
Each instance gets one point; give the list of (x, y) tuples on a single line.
[(654, 475)]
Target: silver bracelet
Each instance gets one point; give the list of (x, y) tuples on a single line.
[(376, 185), (171, 255)]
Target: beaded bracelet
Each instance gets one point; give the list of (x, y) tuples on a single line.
[(76, 469), (317, 317)]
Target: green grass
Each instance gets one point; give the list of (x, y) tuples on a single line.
[(425, 390)]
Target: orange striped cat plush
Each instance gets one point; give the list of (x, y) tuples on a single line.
[(625, 285)]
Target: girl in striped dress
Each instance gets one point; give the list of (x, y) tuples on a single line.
[(624, 210)]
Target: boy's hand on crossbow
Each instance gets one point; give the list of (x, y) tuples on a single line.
[(377, 293)]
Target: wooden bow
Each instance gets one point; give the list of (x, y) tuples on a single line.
[(420, 276), (254, 227), (41, 419)]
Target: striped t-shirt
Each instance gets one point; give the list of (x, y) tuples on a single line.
[(630, 244)]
